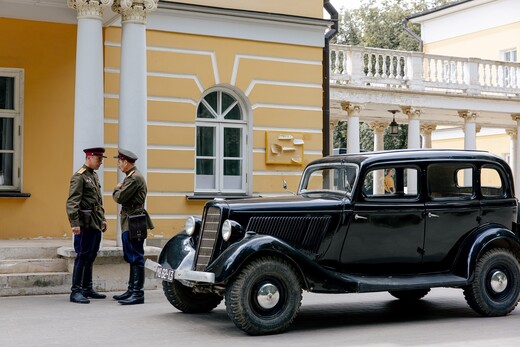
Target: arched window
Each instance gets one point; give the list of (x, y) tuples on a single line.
[(221, 143)]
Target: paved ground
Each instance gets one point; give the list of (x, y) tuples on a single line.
[(376, 319)]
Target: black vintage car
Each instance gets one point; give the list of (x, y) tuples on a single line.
[(397, 221)]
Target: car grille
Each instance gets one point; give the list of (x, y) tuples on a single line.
[(208, 237), (300, 232)]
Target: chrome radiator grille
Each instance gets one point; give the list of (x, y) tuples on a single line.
[(208, 237), (301, 232)]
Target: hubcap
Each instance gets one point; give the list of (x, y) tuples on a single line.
[(268, 296), (498, 281)]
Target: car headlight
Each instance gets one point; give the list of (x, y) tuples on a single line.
[(227, 228), (191, 225), (230, 228)]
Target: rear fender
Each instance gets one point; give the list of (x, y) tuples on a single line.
[(481, 240)]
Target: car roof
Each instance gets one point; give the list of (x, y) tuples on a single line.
[(411, 155)]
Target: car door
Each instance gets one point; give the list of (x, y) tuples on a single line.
[(452, 211), (386, 227)]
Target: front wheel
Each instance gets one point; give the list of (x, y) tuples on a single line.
[(495, 288), (265, 297), (186, 300)]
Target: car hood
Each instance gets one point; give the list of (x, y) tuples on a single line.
[(286, 204)]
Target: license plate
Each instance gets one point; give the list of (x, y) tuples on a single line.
[(164, 274)]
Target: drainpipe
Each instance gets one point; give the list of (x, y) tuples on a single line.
[(412, 34), (327, 137)]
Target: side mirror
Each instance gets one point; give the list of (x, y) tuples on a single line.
[(284, 185)]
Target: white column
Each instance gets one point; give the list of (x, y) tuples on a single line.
[(470, 138), (88, 97), (516, 117), (512, 150), (470, 129), (426, 131), (414, 126), (414, 142), (353, 126), (132, 130), (379, 145)]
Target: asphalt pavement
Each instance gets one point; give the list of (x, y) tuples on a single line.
[(442, 318)]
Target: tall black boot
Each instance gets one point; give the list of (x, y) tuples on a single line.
[(137, 296), (88, 290), (76, 295), (128, 292)]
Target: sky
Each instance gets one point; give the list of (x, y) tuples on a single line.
[(350, 4)]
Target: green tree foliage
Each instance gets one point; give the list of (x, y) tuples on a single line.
[(379, 24)]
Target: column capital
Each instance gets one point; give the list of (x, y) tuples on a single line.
[(468, 116), (411, 112), (377, 126), (89, 8), (352, 109), (512, 133), (516, 117), (427, 129), (134, 11)]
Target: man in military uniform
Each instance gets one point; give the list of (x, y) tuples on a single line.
[(131, 194), (87, 220)]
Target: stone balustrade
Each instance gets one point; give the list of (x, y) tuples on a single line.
[(383, 68)]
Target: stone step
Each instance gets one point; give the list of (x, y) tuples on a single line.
[(12, 266), (23, 252), (35, 283), (43, 283)]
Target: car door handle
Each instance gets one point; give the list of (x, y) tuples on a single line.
[(357, 217), (432, 215)]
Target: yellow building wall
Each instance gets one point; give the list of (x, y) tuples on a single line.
[(180, 68), (289, 7), (497, 144), (46, 53), (485, 44)]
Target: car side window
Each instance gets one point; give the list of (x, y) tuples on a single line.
[(450, 181), (491, 184), (391, 183)]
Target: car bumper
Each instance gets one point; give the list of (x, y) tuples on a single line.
[(187, 275)]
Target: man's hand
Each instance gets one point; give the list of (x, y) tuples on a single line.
[(119, 185), (104, 226), (76, 230)]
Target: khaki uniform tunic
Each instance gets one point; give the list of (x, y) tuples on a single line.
[(132, 195), (85, 194)]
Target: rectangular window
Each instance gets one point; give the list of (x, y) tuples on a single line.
[(509, 55), (10, 129), (450, 181), (391, 183)]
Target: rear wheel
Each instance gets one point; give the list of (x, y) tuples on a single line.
[(495, 288), (265, 297), (186, 300), (409, 295)]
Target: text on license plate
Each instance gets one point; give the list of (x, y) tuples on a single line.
[(164, 274)]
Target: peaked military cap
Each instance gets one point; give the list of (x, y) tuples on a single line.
[(127, 155), (97, 151)]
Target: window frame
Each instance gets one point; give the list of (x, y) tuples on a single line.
[(220, 123), (17, 115)]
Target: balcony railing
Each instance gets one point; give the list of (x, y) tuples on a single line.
[(383, 68)]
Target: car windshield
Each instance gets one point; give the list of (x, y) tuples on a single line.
[(335, 179)]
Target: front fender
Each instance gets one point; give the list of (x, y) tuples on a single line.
[(237, 255), (178, 253), (482, 239)]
